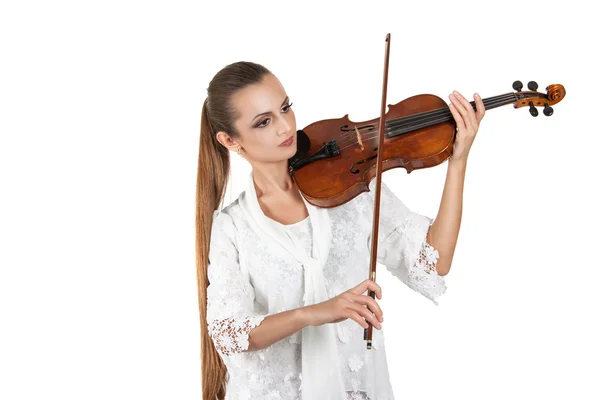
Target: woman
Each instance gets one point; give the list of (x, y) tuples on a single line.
[(281, 282)]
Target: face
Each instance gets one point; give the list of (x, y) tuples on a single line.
[(266, 120)]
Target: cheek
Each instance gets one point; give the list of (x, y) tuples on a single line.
[(259, 140), (266, 138)]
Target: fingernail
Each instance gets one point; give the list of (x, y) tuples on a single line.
[(476, 95)]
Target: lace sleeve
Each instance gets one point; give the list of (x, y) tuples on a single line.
[(403, 249), (423, 276), (231, 308)]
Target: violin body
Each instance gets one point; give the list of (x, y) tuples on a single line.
[(351, 171)]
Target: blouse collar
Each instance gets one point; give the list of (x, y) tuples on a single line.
[(319, 217)]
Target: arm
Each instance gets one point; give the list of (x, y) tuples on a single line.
[(403, 247), (276, 327), (443, 233)]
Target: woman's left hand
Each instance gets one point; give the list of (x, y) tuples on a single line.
[(467, 123)]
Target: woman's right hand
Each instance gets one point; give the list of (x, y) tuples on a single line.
[(349, 304)]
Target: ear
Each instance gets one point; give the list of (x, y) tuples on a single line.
[(227, 141)]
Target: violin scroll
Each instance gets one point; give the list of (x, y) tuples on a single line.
[(532, 98)]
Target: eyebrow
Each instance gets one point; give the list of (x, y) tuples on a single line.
[(269, 112)]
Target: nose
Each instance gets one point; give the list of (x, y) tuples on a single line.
[(283, 127)]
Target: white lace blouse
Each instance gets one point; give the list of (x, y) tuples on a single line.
[(251, 277)]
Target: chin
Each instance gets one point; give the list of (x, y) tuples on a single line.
[(290, 151)]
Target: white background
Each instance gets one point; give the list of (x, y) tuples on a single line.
[(99, 120)]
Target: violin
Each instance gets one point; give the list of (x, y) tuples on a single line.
[(336, 158)]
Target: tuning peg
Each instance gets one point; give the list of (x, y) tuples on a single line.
[(532, 86), (532, 110), (548, 110), (518, 85)]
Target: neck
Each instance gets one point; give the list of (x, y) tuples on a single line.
[(271, 177)]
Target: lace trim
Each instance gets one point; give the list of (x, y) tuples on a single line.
[(357, 395), (428, 257), (423, 275), (230, 335)]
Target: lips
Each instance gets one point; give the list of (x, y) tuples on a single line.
[(287, 142)]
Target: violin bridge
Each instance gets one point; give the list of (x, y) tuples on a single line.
[(360, 143)]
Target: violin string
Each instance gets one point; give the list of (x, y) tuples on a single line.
[(400, 131), (431, 113), (421, 120), (408, 122), (486, 102), (396, 131), (439, 112), (426, 114)]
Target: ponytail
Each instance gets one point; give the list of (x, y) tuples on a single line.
[(213, 170), (218, 114)]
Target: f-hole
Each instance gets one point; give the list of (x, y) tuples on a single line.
[(353, 167)]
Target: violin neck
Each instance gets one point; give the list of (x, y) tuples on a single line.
[(409, 123)]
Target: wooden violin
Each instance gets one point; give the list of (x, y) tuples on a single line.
[(336, 158)]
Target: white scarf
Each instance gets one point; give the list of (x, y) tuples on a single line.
[(321, 373)]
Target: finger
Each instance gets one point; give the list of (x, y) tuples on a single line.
[(459, 106), (480, 107), (367, 285), (468, 108), (369, 303), (366, 314), (356, 316), (374, 287), (460, 124)]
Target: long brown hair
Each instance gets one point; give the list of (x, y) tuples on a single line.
[(218, 114)]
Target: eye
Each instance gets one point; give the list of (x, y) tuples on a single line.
[(287, 108), (260, 125)]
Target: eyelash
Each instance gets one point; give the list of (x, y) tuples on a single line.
[(261, 122)]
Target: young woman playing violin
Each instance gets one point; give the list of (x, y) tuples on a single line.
[(263, 259)]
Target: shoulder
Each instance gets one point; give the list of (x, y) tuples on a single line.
[(229, 220), (223, 240), (224, 219)]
